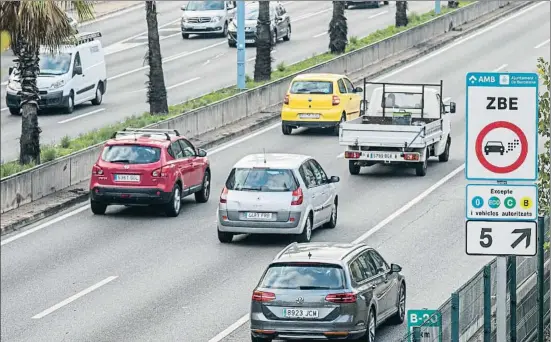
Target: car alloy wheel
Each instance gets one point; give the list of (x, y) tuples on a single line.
[(371, 327), (177, 201), (206, 186), (402, 303)]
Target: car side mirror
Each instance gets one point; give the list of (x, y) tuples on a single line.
[(395, 268), (183, 8), (279, 19), (201, 153), (10, 70), (452, 107), (358, 90), (335, 179), (77, 70)]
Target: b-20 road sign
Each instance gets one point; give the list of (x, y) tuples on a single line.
[(429, 322), (502, 126), (500, 238)]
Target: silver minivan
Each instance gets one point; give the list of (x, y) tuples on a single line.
[(277, 194), (207, 17)]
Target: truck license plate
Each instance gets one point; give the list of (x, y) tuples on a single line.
[(383, 155)]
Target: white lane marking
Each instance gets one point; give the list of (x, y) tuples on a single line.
[(182, 83), (171, 29), (501, 67), (3, 109), (112, 15), (82, 115), (74, 297), (320, 34), (376, 15), (245, 318), (542, 44), (207, 62), (309, 15)]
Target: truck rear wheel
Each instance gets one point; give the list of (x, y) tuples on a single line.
[(353, 168), (445, 156), (421, 168)]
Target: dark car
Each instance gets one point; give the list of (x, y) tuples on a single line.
[(494, 147), (376, 4), (149, 167), (320, 291)]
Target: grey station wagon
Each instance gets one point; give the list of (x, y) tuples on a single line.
[(327, 291)]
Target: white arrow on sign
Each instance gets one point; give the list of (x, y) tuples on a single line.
[(501, 238)]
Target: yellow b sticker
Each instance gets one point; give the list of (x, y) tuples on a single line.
[(526, 203)]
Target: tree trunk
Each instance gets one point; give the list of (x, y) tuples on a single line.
[(156, 90), (401, 13), (28, 66), (264, 40), (338, 29)]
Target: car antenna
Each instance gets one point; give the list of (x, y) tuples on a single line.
[(264, 155), (309, 255)]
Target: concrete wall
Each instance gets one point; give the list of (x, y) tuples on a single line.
[(53, 176)]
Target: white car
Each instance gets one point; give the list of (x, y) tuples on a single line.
[(277, 194)]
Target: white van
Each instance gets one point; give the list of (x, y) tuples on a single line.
[(74, 75)]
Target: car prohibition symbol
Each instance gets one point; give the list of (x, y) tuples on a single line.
[(300, 300)]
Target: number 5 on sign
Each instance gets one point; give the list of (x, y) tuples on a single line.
[(501, 238)]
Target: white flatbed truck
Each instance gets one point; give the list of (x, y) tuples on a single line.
[(403, 124)]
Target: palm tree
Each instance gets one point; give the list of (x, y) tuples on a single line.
[(338, 29), (264, 44), (156, 90), (401, 13), (32, 24)]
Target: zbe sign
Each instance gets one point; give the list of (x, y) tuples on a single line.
[(502, 123)]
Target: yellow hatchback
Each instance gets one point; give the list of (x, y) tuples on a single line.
[(320, 101)]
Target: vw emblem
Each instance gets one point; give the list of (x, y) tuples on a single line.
[(127, 167), (300, 300), (310, 99)]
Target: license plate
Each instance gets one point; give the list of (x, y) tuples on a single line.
[(249, 41), (199, 27), (300, 313), (127, 178), (258, 216), (309, 116), (383, 155)]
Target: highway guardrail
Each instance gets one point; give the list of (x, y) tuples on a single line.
[(45, 179)]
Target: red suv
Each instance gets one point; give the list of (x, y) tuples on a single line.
[(149, 167)]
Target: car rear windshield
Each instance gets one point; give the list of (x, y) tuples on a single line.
[(261, 179), (312, 87), (131, 154), (303, 277)]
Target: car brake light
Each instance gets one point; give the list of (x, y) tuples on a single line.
[(96, 170), (298, 197), (341, 298), (224, 195), (286, 100), (260, 296), (160, 172), (411, 156), (336, 100), (352, 155)]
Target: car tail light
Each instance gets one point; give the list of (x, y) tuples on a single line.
[(224, 195), (411, 156), (286, 99), (336, 100), (341, 298), (96, 170), (298, 197), (261, 296), (352, 155), (160, 172)]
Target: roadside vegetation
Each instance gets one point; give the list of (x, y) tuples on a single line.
[(69, 145), (544, 130)]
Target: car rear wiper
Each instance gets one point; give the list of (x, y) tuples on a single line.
[(120, 161), (249, 189), (314, 288)]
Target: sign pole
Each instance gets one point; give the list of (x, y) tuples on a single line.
[(437, 7), (241, 84), (501, 299)]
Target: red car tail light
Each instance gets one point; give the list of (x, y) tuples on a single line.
[(298, 197), (160, 172), (341, 298), (260, 296), (96, 170), (224, 195), (411, 156), (286, 99), (336, 100), (352, 155)]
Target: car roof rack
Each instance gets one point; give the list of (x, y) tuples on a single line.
[(145, 132)]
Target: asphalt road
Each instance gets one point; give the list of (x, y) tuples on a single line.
[(192, 67), (151, 278)]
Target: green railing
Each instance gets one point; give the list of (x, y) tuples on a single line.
[(463, 315)]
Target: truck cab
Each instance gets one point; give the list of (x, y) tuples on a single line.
[(401, 124)]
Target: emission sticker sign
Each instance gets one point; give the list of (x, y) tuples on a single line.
[(501, 202)]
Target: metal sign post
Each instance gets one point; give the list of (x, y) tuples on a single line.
[(502, 146), (241, 84)]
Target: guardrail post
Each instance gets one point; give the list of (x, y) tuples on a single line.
[(512, 298), (541, 270), (416, 334), (455, 317), (487, 303)]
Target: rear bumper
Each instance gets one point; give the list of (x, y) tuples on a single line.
[(50, 100), (327, 116), (329, 331), (226, 224), (129, 196), (311, 124)]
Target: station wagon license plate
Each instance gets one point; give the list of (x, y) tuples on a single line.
[(127, 178), (300, 313), (258, 216), (249, 41), (383, 155), (309, 116)]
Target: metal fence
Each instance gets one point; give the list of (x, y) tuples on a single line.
[(469, 302)]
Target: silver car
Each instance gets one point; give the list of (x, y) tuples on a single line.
[(327, 291), (277, 194), (207, 17)]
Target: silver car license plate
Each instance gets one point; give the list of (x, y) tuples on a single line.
[(258, 216)]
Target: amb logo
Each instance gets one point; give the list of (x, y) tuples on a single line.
[(482, 79)]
